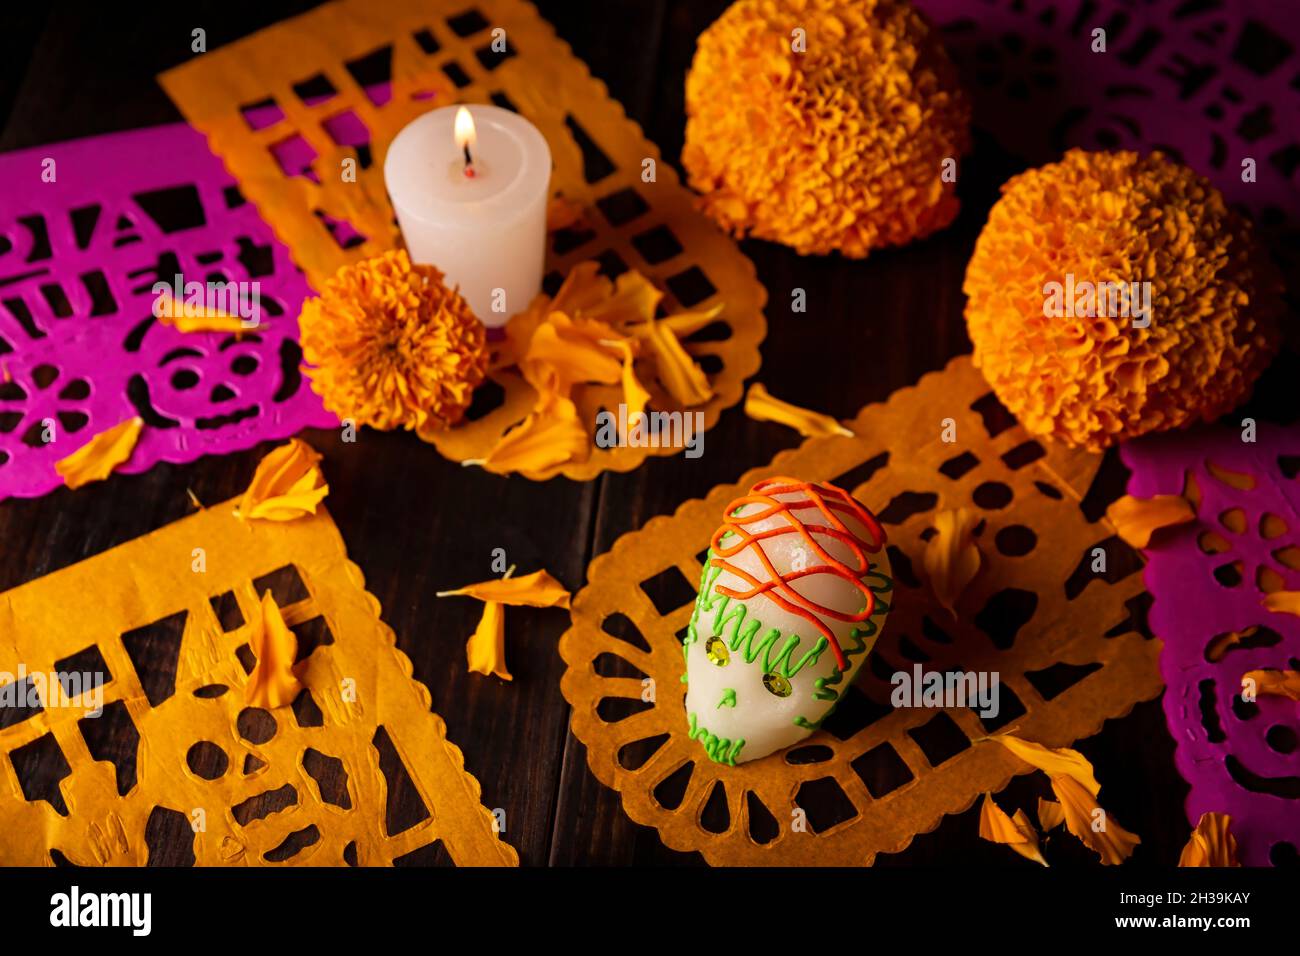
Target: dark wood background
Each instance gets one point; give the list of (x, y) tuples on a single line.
[(70, 71)]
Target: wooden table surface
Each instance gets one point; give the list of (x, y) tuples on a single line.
[(71, 71)]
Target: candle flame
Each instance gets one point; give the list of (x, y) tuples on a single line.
[(464, 129)]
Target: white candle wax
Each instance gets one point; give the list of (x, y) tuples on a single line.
[(486, 231)]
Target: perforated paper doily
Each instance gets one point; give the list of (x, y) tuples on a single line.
[(285, 106), (1063, 640), (308, 784), (1208, 578), (79, 349)]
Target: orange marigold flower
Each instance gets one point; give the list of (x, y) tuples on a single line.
[(824, 124), (391, 346), (1092, 369)]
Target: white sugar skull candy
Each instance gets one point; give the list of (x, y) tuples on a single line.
[(794, 593)]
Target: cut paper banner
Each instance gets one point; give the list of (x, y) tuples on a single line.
[(289, 106), (1209, 579), (1212, 84), (176, 769), (1066, 642), (87, 228)]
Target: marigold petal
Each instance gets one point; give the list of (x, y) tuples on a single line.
[(761, 406), (273, 682), (952, 557), (1274, 682), (683, 378), (96, 460), (538, 589), (551, 435), (1085, 818), (1053, 762), (1136, 520), (564, 213), (1017, 833), (1050, 814), (485, 650), (1283, 602), (172, 313), (1211, 843), (287, 484)]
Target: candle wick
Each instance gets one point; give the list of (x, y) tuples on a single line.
[(469, 162)]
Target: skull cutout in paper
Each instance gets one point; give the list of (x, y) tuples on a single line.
[(212, 381), (794, 593)]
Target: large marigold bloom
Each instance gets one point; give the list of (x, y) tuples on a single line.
[(1119, 218), (391, 346), (840, 147)]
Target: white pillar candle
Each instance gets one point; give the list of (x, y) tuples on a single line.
[(481, 223)]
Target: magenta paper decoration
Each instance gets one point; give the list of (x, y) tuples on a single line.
[(1211, 82), (1239, 758), (86, 230)]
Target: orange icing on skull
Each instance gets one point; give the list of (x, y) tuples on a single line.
[(816, 513)]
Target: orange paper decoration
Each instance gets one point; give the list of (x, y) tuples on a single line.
[(1063, 640), (600, 156), (317, 762)]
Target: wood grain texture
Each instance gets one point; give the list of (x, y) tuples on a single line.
[(416, 523)]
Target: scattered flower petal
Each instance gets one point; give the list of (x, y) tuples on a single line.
[(538, 589), (1283, 602), (288, 484), (1050, 814), (563, 353), (761, 406), (591, 332), (635, 396), (95, 460), (564, 213), (1054, 763), (486, 648), (550, 435), (634, 300), (679, 373), (1085, 818), (1211, 843), (1136, 520), (1275, 683), (173, 313), (273, 682), (1017, 833), (952, 558)]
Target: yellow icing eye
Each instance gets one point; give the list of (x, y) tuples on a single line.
[(777, 685), (715, 649)]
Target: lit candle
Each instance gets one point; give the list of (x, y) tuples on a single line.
[(470, 186)]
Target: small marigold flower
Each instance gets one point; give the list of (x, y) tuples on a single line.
[(389, 345), (1094, 369), (824, 124)]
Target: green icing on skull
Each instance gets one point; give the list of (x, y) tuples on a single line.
[(729, 627), (719, 749)]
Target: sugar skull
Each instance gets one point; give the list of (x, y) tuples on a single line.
[(794, 593)]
